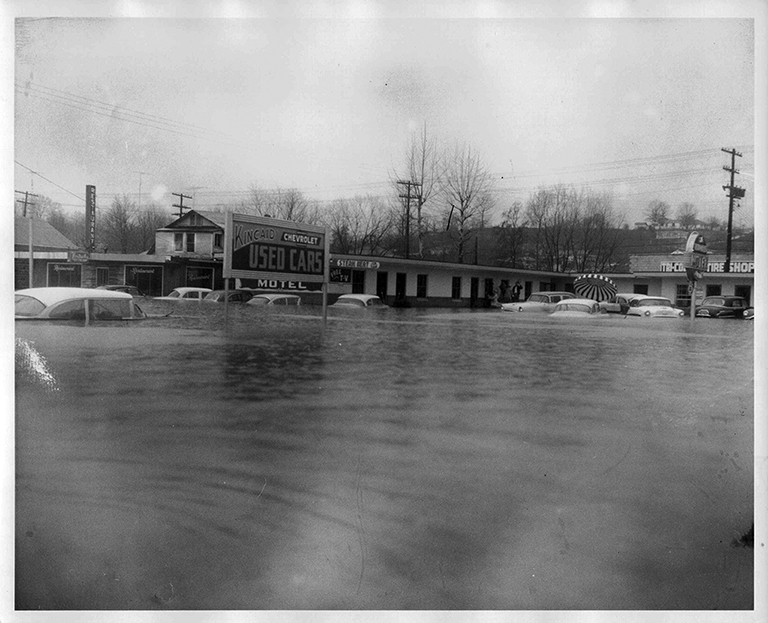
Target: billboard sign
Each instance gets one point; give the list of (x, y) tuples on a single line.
[(90, 217), (695, 257), (259, 247)]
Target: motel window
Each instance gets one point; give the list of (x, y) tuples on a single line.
[(217, 241), (682, 296), (640, 288), (421, 286), (178, 242), (714, 289), (456, 288), (190, 243), (102, 276)]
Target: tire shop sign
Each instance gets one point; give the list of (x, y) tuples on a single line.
[(259, 247)]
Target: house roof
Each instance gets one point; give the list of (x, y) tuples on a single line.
[(197, 218), (44, 235)]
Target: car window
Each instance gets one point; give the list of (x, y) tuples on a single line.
[(27, 306), (537, 298), (192, 295), (258, 300), (68, 310), (737, 303), (109, 309), (654, 303), (713, 301)]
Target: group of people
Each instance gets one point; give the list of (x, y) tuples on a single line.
[(505, 294)]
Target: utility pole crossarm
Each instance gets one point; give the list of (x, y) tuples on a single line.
[(181, 205), (734, 192)]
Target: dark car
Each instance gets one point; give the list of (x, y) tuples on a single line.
[(235, 296), (132, 290), (722, 307)]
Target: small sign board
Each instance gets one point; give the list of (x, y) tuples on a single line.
[(259, 247), (358, 264), (695, 257), (78, 256)]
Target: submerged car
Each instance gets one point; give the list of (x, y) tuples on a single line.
[(81, 304), (539, 302), (577, 308), (646, 306), (185, 294), (618, 303), (231, 296), (275, 299), (132, 290), (722, 307), (358, 300)]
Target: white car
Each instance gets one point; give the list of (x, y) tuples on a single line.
[(579, 308), (539, 302), (185, 294), (275, 299), (644, 306), (358, 300), (80, 304)]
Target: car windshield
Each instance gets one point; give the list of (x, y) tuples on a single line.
[(538, 298), (580, 307), (214, 296), (654, 303), (715, 300), (350, 302), (174, 295), (259, 300), (375, 303), (27, 306)]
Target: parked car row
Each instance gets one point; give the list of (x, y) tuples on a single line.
[(630, 304)]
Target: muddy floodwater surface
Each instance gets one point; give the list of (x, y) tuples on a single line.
[(384, 460)]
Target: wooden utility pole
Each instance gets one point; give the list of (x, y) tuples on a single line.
[(181, 205), (408, 197), (30, 246), (734, 192)]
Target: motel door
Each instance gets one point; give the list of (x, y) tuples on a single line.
[(400, 286), (474, 288), (382, 278)]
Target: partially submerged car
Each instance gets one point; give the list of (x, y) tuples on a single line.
[(645, 306), (185, 294), (577, 308), (358, 300), (722, 307), (231, 296), (618, 303), (80, 304), (539, 302), (275, 299)]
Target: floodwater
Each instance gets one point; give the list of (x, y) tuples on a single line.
[(384, 460)]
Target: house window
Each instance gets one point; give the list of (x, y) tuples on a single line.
[(217, 241), (456, 288), (190, 243), (682, 296), (421, 286), (178, 242)]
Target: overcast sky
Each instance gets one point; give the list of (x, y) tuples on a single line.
[(208, 107)]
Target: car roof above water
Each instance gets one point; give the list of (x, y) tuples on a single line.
[(51, 295)]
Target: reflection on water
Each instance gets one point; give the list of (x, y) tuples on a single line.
[(400, 459)]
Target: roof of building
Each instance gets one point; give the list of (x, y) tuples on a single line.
[(44, 235)]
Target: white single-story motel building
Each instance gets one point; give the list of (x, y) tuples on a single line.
[(189, 252)]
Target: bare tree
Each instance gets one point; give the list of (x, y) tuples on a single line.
[(423, 166), (687, 215), (465, 188), (657, 212), (359, 225), (512, 234), (147, 222), (117, 229), (553, 214)]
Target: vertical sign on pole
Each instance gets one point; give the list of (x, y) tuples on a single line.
[(696, 263), (90, 218)]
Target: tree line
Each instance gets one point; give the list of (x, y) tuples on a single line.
[(443, 197)]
